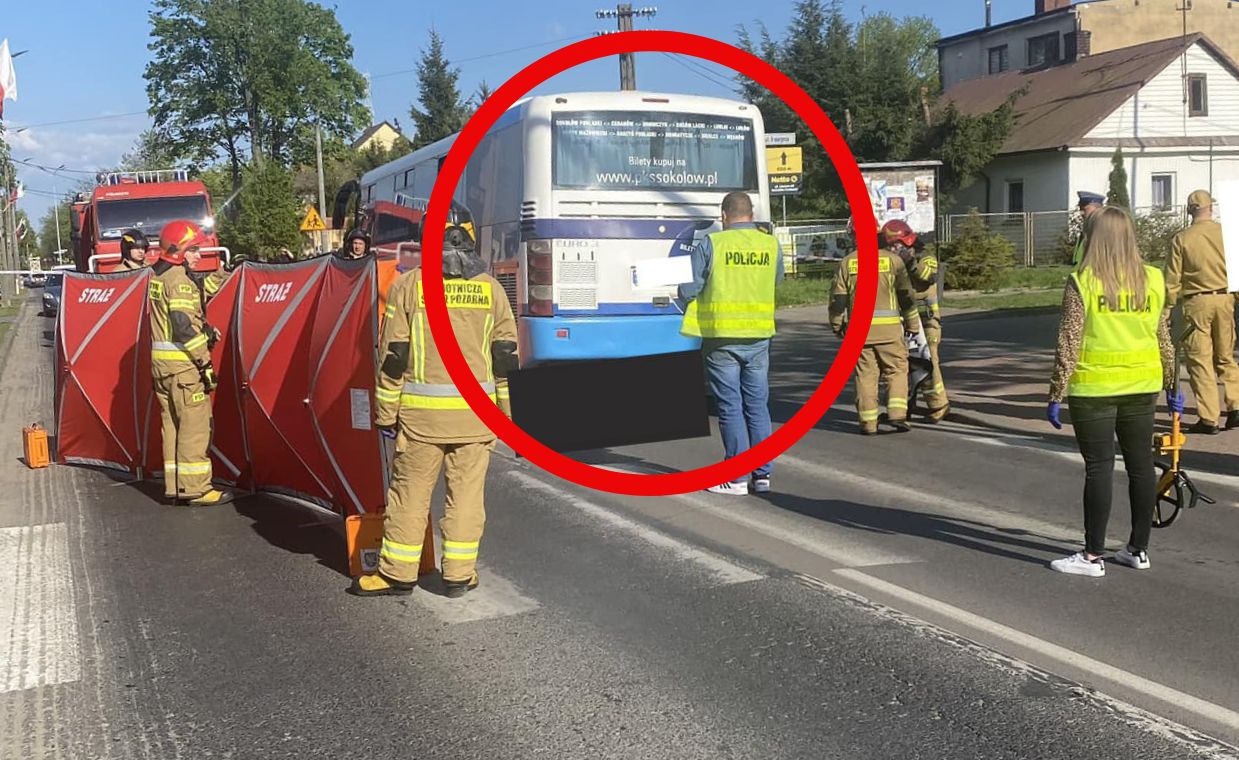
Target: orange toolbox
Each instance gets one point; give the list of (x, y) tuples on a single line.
[(34, 445)]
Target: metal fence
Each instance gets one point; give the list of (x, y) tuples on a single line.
[(1045, 238)]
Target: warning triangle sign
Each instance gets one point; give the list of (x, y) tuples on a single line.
[(313, 222)]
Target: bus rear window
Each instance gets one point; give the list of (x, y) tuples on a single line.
[(647, 150)]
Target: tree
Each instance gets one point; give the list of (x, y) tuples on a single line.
[(1117, 195), (442, 113), (976, 257), (874, 81), (248, 80), (47, 228), (267, 214), (150, 152)]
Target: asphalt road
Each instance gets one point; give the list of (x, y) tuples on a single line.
[(890, 600)]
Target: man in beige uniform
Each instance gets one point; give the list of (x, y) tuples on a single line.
[(1196, 274), (885, 356), (434, 427)]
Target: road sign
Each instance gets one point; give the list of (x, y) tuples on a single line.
[(785, 169), (780, 138), (784, 161), (313, 222)]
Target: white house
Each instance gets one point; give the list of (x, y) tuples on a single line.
[(1171, 105)]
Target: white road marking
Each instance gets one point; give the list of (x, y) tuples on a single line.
[(721, 571), (841, 546), (495, 597), (1195, 705), (914, 497), (38, 616)]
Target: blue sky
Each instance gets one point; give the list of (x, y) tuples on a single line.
[(86, 59)]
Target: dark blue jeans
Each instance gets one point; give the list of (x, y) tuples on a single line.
[(738, 372)]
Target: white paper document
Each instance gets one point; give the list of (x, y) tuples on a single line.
[(661, 273), (1227, 212)]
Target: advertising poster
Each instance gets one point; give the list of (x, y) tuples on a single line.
[(904, 193)]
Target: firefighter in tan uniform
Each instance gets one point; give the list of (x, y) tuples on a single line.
[(133, 247), (181, 366), (922, 269), (434, 427), (885, 356), (1196, 275)]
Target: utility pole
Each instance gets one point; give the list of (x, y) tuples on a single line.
[(624, 14), (322, 192), (56, 211)]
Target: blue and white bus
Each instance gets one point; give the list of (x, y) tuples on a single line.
[(570, 192)]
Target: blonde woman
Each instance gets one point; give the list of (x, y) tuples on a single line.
[(1114, 355)]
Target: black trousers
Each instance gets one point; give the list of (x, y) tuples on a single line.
[(1097, 422)]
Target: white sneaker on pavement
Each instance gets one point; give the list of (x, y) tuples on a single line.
[(1078, 564), (761, 485), (731, 489), (1134, 560)]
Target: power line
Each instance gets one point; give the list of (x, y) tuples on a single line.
[(54, 170), (708, 77), (573, 38), (19, 127)]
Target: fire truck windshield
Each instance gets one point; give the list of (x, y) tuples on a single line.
[(149, 214)]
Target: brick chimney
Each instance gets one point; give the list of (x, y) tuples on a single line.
[(1046, 6), (1077, 45)]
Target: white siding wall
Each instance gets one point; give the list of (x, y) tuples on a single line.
[(1158, 109), (1045, 178), (969, 58), (1090, 170)]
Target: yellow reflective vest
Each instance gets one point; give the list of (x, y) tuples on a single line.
[(738, 298), (1120, 355)]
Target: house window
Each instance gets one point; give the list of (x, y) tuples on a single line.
[(1163, 191), (1015, 196), (1043, 50), (999, 60), (1198, 95)]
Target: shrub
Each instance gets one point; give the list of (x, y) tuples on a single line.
[(976, 258), (1155, 232)]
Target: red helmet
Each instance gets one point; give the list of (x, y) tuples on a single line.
[(177, 237), (897, 231)]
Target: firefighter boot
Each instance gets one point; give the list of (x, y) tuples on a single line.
[(380, 585), (211, 498), (457, 589)]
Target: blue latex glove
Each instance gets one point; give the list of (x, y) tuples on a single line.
[(1052, 412), (388, 432), (1175, 400)]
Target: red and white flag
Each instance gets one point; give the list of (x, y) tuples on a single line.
[(21, 229), (17, 192), (8, 76)]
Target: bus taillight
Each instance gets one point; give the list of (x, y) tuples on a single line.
[(541, 278)]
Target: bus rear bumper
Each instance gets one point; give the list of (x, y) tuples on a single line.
[(546, 339)]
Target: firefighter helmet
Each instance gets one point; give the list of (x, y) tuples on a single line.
[(460, 258), (177, 237), (896, 231), (357, 233), (131, 239)]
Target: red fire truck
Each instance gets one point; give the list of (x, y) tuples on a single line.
[(146, 201)]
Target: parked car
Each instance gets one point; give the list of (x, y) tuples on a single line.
[(51, 294)]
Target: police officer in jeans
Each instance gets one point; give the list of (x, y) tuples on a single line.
[(1196, 275), (731, 308)]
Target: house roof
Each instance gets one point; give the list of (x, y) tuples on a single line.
[(371, 132), (1063, 103), (1065, 10)]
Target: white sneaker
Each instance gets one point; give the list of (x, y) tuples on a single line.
[(761, 485), (1078, 564), (1134, 560), (731, 489)]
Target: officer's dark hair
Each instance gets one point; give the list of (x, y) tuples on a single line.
[(737, 205)]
